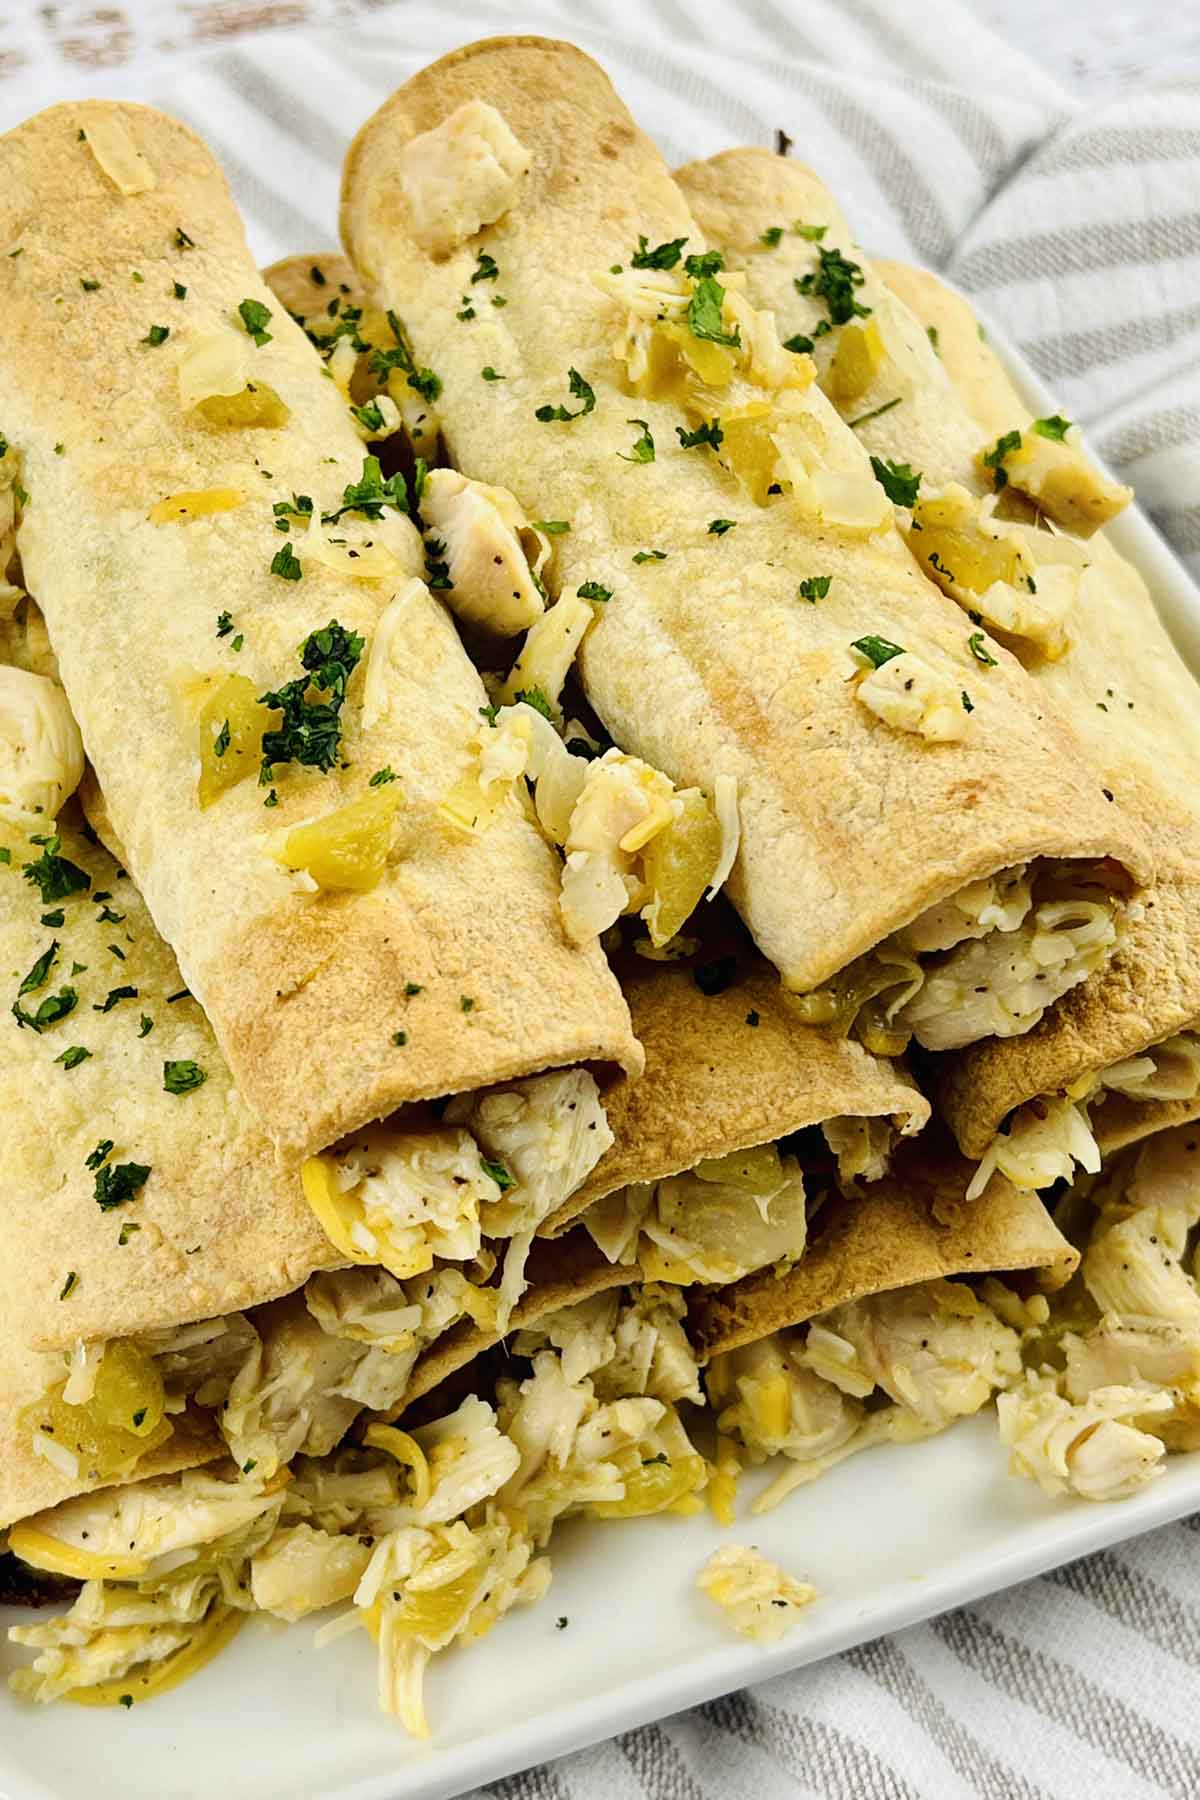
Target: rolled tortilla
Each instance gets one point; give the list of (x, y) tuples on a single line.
[(306, 991), (29, 1482), (911, 1227), (706, 663), (1119, 682), (730, 1070)]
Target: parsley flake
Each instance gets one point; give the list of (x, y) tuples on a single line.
[(490, 374), (55, 876), (114, 997), (663, 256), (183, 1076), (814, 587), (286, 564), (642, 449), (466, 1003), (119, 1182), (71, 1059), (834, 280), (255, 318), (709, 433), (224, 624), (877, 650), (643, 556), (877, 413), (704, 314), (178, 290), (99, 1155), (69, 1284), (486, 268), (88, 284), (1055, 427), (182, 240), (580, 390), (310, 731), (535, 697), (157, 334), (897, 480), (994, 458), (980, 651), (771, 236), (381, 777), (551, 527), (146, 1026), (399, 1038), (718, 527), (594, 590), (498, 1173)]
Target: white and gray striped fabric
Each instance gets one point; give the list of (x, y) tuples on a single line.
[(1077, 226)]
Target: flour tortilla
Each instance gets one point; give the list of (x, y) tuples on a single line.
[(912, 1226), (1147, 753), (705, 663), (304, 992)]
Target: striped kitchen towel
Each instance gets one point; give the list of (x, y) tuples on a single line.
[(1077, 227)]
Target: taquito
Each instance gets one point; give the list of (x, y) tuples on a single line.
[(273, 702), (876, 1309), (1119, 1058), (725, 610)]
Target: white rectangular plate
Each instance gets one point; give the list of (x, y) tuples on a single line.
[(890, 1538)]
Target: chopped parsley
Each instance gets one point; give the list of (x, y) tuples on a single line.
[(897, 480), (490, 374), (157, 334), (1055, 427), (114, 997), (399, 1038), (551, 527), (498, 1173), (771, 236), (255, 318), (643, 556), (224, 624), (535, 697), (370, 417), (799, 345), (99, 1155), (311, 729), (877, 650), (994, 458), (71, 1059), (424, 381), (466, 1003), (37, 976), (178, 291), (182, 240), (580, 390), (718, 527), (642, 449), (411, 988), (931, 332), (118, 1182), (704, 314), (381, 777), (878, 413), (369, 494), (54, 919), (437, 568), (222, 740), (467, 312), (752, 1017), (813, 233), (183, 1077), (146, 1026), (68, 1284), (663, 256), (594, 590), (968, 704), (286, 564), (126, 1232), (709, 262), (814, 587), (709, 433), (715, 976), (980, 651), (486, 268), (834, 281), (88, 284)]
